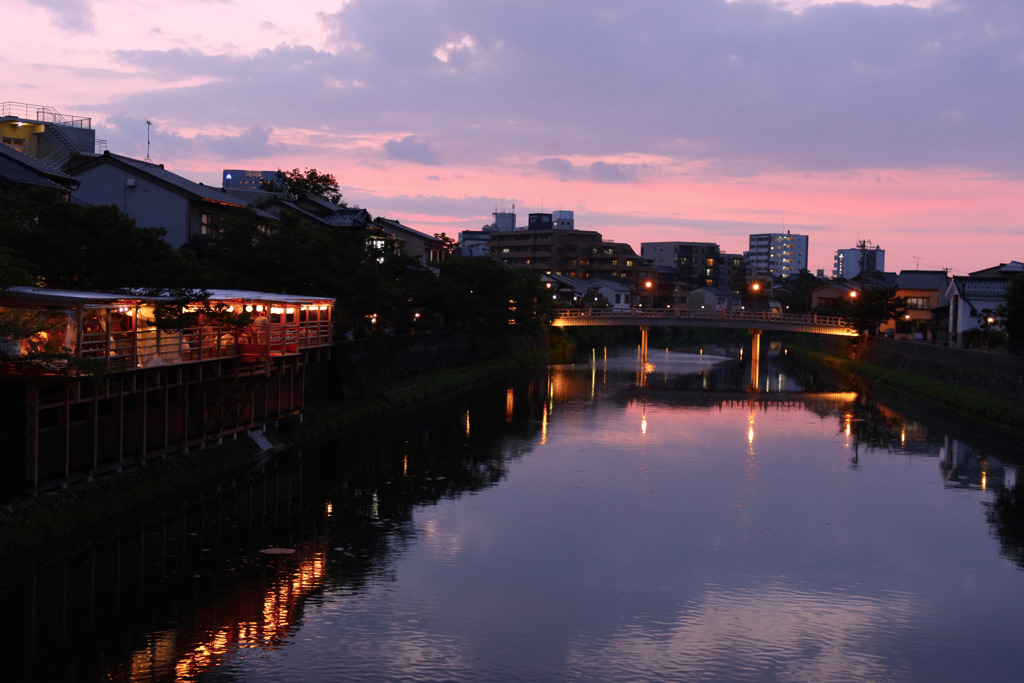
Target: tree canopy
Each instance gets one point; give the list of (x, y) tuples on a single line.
[(871, 308), (296, 183), (68, 246), (50, 243)]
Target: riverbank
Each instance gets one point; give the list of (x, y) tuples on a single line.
[(365, 379), (984, 386)]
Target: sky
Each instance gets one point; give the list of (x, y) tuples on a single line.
[(892, 121)]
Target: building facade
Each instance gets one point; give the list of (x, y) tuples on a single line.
[(850, 263), (777, 254), (698, 264)]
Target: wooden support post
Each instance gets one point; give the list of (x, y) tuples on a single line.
[(32, 435), (65, 417)]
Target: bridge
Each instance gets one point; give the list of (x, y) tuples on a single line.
[(754, 321), (736, 320)]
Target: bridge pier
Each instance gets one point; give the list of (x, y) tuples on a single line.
[(755, 359)]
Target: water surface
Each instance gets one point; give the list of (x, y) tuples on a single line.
[(570, 526)]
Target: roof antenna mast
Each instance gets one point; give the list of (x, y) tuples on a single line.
[(147, 159)]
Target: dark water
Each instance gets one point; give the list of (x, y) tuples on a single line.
[(568, 526)]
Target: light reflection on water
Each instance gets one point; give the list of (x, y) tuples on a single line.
[(575, 527)]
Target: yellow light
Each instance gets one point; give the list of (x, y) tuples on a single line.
[(853, 295), (290, 311), (248, 309)]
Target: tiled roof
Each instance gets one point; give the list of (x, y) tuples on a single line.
[(978, 291), (19, 168), (157, 171), (922, 279), (388, 224), (348, 218)]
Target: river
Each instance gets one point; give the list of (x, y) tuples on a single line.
[(588, 523)]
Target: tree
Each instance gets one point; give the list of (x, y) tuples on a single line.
[(67, 246), (296, 183), (872, 307), (486, 294), (1011, 314), (448, 242)]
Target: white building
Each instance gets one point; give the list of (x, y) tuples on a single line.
[(861, 259), (777, 254)]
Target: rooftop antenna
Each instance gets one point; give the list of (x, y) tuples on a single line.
[(147, 159)]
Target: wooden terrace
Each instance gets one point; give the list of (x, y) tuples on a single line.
[(90, 384)]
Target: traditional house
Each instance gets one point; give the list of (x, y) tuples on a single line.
[(616, 292), (712, 299), (925, 292), (428, 251), (317, 210), (972, 307), (153, 196), (91, 381), (571, 292), (830, 295)]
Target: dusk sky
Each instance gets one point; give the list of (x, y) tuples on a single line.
[(894, 121)]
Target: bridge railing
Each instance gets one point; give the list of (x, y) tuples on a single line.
[(681, 313)]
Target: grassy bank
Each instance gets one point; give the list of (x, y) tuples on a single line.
[(144, 491)]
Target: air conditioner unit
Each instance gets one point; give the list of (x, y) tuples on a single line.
[(130, 182)]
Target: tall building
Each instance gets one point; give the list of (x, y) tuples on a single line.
[(579, 254), (563, 220), (861, 259), (699, 264), (504, 221), (476, 242), (777, 254)]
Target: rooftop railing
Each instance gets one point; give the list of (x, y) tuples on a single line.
[(36, 112)]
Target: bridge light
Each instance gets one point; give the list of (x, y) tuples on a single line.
[(647, 284)]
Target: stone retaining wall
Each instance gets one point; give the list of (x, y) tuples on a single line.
[(994, 373)]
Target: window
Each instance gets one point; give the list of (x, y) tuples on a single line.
[(16, 142), (205, 224), (918, 302)]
